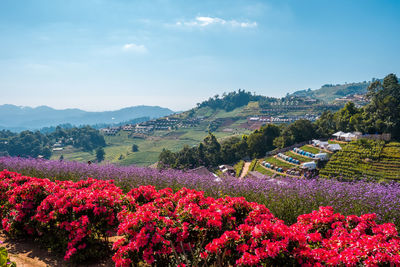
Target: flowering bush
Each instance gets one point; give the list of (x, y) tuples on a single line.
[(333, 239), (185, 228), (79, 216), (24, 195)]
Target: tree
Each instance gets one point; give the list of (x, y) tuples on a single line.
[(100, 154), (261, 141), (326, 125), (212, 149), (383, 111), (231, 150), (167, 158), (135, 148), (343, 117)]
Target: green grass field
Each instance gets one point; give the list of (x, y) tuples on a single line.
[(119, 147), (297, 156), (265, 171), (279, 163), (310, 149)]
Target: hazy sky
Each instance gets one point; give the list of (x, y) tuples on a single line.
[(108, 54)]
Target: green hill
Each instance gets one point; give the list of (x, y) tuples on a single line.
[(365, 158), (330, 92), (225, 116)]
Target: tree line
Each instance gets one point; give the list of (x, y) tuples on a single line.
[(35, 144), (381, 115)]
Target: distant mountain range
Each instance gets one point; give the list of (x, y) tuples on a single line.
[(17, 118), (330, 92)]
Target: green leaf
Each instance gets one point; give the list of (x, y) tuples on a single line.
[(3, 257)]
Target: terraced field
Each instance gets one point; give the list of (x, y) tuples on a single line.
[(265, 171), (297, 156), (371, 159), (310, 149), (279, 163)]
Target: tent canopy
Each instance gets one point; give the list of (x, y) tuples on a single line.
[(340, 133)]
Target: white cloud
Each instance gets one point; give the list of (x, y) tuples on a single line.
[(131, 47), (208, 21)]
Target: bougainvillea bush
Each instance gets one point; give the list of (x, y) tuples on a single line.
[(185, 228), (73, 217), (188, 229)]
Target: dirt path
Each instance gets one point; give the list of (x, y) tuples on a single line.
[(28, 254), (245, 169)]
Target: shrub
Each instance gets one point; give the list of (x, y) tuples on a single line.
[(5, 259), (79, 217)]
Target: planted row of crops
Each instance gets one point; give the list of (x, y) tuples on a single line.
[(184, 228), (366, 158)]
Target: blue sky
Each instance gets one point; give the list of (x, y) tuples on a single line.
[(105, 55)]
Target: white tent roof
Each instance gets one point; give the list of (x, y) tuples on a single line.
[(348, 135), (340, 133), (334, 147)]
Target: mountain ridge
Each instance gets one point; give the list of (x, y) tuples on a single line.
[(329, 92), (19, 118)]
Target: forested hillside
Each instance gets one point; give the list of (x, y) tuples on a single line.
[(381, 115)]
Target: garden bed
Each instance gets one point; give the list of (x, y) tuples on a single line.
[(184, 228)]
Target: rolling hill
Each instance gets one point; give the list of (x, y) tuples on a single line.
[(330, 92)]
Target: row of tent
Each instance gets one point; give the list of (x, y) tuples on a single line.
[(270, 166), (289, 159), (304, 153), (347, 136)]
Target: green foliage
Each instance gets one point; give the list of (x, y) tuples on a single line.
[(35, 144), (86, 138), (233, 149), (298, 131), (135, 148), (382, 114), (229, 101), (261, 141), (253, 165), (5, 259), (211, 153), (325, 125), (238, 168), (100, 154), (28, 144), (365, 158)]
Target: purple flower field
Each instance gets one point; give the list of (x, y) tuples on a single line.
[(287, 198)]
